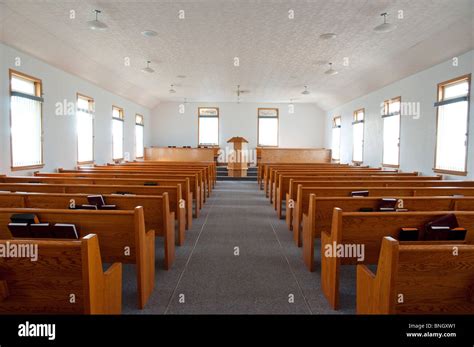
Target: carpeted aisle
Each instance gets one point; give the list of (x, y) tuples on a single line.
[(238, 259)]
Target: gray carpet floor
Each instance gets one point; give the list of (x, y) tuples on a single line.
[(238, 258)]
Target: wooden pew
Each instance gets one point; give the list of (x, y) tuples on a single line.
[(286, 185), (271, 183), (367, 229), (302, 200), (111, 178), (196, 177), (63, 268), (182, 210), (430, 277), (122, 238), (320, 213), (155, 209)]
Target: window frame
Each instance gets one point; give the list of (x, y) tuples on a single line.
[(39, 93), (121, 118), (199, 125), (258, 126), (386, 107), (357, 121), (142, 124), (440, 97), (91, 102), (334, 126)]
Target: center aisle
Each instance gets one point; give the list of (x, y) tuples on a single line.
[(238, 259)]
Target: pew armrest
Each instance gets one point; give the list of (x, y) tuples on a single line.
[(113, 289), (4, 292)]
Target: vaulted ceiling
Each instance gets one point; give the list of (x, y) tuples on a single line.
[(278, 56)]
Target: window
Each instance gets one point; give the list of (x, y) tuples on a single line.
[(452, 126), (85, 129), (117, 133), (358, 136), (336, 138), (26, 118), (267, 133), (391, 132), (208, 127), (139, 139)]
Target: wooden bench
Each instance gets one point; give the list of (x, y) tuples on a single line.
[(354, 230), (67, 278), (418, 278), (320, 213), (178, 206), (302, 202), (122, 238), (155, 209)]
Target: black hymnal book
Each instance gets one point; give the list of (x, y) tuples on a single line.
[(124, 193), (97, 200), (360, 193), (150, 184), (28, 218), (366, 209), (41, 230), (65, 231), (86, 207), (457, 234), (108, 207), (408, 234), (19, 229), (387, 204), (440, 228)]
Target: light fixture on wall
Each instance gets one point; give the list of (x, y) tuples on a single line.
[(331, 71), (172, 90), (96, 24), (385, 27), (327, 36), (149, 33), (305, 91), (182, 107), (148, 69), (291, 107)]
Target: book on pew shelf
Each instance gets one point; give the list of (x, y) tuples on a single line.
[(28, 218), (86, 207), (387, 204), (458, 234), (401, 210), (65, 231), (123, 193), (360, 193), (108, 207), (96, 200), (439, 228), (408, 234), (386, 209), (150, 184), (41, 230), (19, 229), (366, 209)]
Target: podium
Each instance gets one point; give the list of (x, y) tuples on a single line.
[(237, 165)]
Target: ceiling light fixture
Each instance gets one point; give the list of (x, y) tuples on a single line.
[(291, 107), (148, 69), (172, 91), (96, 24), (327, 36), (331, 71), (305, 91), (149, 33), (385, 27)]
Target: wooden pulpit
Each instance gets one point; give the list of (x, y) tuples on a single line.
[(237, 165)]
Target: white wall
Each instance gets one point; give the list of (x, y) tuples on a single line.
[(59, 147), (418, 136), (304, 128)]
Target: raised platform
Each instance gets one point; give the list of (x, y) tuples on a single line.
[(223, 175)]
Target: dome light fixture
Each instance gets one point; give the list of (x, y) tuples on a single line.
[(305, 91), (331, 71), (96, 24), (385, 27), (148, 69)]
